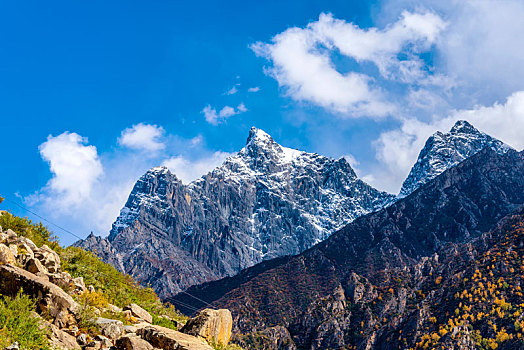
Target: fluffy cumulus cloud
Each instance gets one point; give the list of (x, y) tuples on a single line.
[(80, 194), (188, 170), (426, 64), (302, 61), (143, 137), (213, 117), (87, 189), (75, 167)]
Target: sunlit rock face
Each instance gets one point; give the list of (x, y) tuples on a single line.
[(264, 202)]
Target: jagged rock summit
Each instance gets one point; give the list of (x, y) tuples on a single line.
[(264, 202), (445, 150)]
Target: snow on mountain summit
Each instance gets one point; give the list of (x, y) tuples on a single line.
[(266, 201), (445, 150)]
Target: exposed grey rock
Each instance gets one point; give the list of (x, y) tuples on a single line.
[(264, 202), (11, 236), (165, 338), (49, 258), (445, 150), (82, 339), (213, 325), (14, 346), (61, 340), (104, 341), (79, 285), (6, 255), (25, 252), (139, 312), (50, 298), (132, 342), (14, 249), (110, 328), (35, 266)]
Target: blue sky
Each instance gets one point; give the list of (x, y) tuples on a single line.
[(94, 93)]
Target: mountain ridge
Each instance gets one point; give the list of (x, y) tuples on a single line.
[(397, 242), (266, 201)]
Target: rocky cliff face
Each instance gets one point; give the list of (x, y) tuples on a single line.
[(445, 150), (267, 201), (377, 282)]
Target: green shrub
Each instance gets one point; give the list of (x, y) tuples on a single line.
[(117, 288), (18, 324), (111, 285), (38, 233)]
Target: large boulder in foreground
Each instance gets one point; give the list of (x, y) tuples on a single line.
[(50, 298), (140, 313), (213, 325), (168, 339), (132, 342), (6, 255)]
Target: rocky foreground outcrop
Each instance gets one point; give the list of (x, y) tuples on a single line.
[(37, 272)]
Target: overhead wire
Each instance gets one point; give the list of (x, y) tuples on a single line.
[(101, 273)]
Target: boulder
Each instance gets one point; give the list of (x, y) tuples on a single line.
[(82, 339), (132, 342), (6, 255), (25, 252), (3, 237), (50, 298), (165, 338), (79, 285), (114, 309), (138, 312), (14, 346), (62, 279), (104, 341), (49, 258), (28, 242), (60, 339), (213, 325), (14, 249), (110, 328), (11, 236), (35, 266)]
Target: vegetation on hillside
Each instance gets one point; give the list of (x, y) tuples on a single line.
[(488, 304), (111, 286), (18, 324)]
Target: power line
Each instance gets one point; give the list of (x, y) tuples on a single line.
[(101, 273), (42, 218), (194, 297)]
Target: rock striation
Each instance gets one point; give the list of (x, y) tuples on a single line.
[(264, 202)]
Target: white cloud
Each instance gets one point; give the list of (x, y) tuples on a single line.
[(87, 189), (398, 149), (353, 162), (213, 117), (232, 91), (253, 89), (80, 195), (188, 170), (75, 166), (142, 137), (301, 61), (196, 141), (241, 108)]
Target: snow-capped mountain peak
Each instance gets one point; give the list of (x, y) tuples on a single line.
[(264, 202), (445, 150)]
